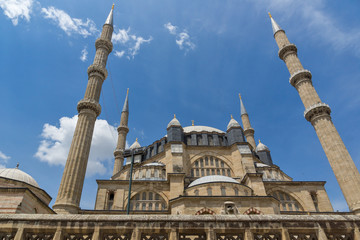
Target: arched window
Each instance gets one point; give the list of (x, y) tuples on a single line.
[(287, 203), (236, 191), (209, 165), (223, 191), (209, 191), (110, 200), (148, 201), (196, 192)]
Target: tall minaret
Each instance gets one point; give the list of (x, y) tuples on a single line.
[(248, 130), (68, 198), (122, 132), (318, 114)]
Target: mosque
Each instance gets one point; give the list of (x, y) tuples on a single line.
[(195, 183)]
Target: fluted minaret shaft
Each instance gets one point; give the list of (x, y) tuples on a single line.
[(71, 185), (248, 130), (318, 114), (122, 132)]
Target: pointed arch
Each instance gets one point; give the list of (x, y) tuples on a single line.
[(205, 211)]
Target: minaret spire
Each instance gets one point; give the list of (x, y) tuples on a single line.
[(109, 19), (274, 25), (122, 132), (69, 195), (318, 114), (248, 130)]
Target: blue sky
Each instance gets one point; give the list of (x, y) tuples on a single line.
[(186, 57)]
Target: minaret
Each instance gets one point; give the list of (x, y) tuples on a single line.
[(68, 198), (122, 132), (318, 114), (248, 130)]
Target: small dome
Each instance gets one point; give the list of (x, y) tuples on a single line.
[(212, 178), (190, 129), (174, 123), (18, 175), (262, 147), (154, 164), (232, 123), (136, 144)]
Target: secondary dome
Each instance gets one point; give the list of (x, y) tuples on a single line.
[(212, 178), (262, 147), (232, 123), (136, 144), (190, 129), (18, 175), (174, 123)]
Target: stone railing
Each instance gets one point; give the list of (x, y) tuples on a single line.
[(186, 227)]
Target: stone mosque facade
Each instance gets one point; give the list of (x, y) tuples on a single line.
[(195, 183)]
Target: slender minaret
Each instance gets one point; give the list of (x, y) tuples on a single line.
[(68, 198), (318, 114), (248, 130), (122, 132)]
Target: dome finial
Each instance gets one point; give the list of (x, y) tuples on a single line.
[(231, 116), (112, 6), (17, 166), (269, 14), (192, 123), (136, 139), (174, 115), (259, 141)]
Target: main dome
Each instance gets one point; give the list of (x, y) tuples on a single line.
[(212, 178), (18, 175), (190, 129)]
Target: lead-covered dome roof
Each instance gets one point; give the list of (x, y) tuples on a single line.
[(18, 175), (211, 179), (190, 129)]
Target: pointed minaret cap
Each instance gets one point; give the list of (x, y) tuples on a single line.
[(109, 19), (126, 103), (261, 147), (174, 123), (274, 25), (242, 107), (136, 144), (232, 123)]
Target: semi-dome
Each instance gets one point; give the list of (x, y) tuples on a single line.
[(232, 123), (136, 144), (262, 147), (212, 178), (190, 129), (174, 123), (18, 175)]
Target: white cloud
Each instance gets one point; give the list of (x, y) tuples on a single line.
[(68, 24), (55, 145), (131, 42), (84, 54), (119, 54), (3, 159), (183, 39), (172, 29), (122, 36), (15, 9)]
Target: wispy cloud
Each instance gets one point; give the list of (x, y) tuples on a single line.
[(320, 23), (3, 159), (183, 39), (56, 142), (130, 42), (70, 25), (84, 54), (15, 9)]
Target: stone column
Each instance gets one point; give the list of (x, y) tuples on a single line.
[(318, 114), (68, 198)]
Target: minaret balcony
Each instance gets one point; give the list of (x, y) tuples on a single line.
[(286, 50), (300, 76), (317, 110)]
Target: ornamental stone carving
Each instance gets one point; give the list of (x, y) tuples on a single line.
[(286, 50), (103, 43), (300, 76), (317, 110), (97, 70), (89, 104)]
